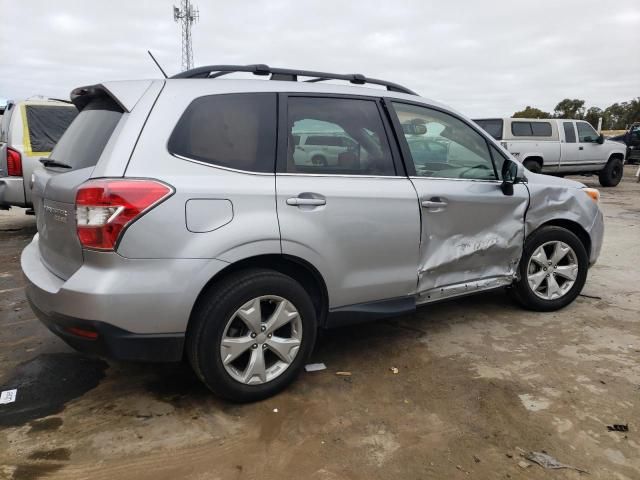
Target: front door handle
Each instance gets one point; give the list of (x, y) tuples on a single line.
[(580, 148), (314, 202)]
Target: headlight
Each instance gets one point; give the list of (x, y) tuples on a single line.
[(594, 193)]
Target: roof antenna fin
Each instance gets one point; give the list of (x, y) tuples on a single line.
[(157, 64)]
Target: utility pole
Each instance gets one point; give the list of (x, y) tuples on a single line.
[(186, 15)]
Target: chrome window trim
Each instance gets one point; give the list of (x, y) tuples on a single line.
[(289, 174), (212, 165), (416, 177)]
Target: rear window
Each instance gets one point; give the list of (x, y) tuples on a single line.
[(492, 127), (85, 139), (234, 131), (531, 129), (46, 124)]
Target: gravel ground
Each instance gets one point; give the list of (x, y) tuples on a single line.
[(479, 382)]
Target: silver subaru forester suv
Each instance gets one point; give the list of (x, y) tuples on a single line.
[(176, 219)]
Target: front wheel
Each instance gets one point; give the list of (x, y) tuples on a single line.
[(533, 166), (552, 270), (251, 335), (611, 174)]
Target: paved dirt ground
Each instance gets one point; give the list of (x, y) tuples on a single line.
[(479, 382)]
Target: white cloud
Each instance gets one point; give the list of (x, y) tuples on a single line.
[(483, 58)]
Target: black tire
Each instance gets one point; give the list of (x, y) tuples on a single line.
[(521, 289), (204, 336), (534, 166), (612, 173), (319, 160)]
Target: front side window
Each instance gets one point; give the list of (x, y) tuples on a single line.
[(569, 132), (342, 136), (235, 130), (586, 133), (443, 146)]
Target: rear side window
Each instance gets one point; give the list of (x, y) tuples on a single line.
[(234, 131), (492, 127), (46, 124), (85, 139), (569, 132), (531, 129)]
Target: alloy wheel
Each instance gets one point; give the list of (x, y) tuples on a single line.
[(261, 340), (552, 270)]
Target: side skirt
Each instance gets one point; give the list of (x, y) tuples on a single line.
[(461, 289)]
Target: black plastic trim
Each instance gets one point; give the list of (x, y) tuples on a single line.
[(288, 74), (370, 311)]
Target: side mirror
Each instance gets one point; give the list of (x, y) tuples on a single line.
[(512, 173), (600, 139)]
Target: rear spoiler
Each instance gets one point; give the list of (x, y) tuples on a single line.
[(125, 93)]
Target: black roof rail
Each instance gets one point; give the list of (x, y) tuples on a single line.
[(215, 71)]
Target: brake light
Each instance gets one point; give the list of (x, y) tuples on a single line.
[(104, 208), (14, 163)]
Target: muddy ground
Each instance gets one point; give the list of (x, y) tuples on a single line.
[(479, 382)]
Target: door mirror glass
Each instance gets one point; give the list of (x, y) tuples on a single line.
[(600, 139), (512, 173)]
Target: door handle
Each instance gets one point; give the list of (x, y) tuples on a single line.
[(580, 148), (297, 201), (433, 203)]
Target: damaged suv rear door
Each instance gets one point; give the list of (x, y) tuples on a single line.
[(472, 233)]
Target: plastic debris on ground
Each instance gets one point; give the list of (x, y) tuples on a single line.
[(394, 370), (617, 427), (315, 367), (343, 374), (547, 461), (8, 396)]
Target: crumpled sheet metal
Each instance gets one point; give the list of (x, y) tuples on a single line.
[(477, 251)]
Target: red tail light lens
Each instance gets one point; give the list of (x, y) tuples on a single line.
[(14, 163), (105, 207)]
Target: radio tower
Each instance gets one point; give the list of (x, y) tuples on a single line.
[(186, 15)]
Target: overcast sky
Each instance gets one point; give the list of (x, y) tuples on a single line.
[(484, 58)]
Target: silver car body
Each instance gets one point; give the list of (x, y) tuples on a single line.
[(377, 243)]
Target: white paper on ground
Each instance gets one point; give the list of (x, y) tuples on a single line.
[(315, 367), (8, 396)]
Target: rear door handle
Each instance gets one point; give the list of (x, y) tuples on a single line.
[(434, 203), (297, 201)]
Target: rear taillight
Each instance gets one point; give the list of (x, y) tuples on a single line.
[(104, 208), (14, 163)]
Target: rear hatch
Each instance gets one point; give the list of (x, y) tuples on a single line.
[(71, 163)]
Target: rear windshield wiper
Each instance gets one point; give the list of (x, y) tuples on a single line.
[(50, 162)]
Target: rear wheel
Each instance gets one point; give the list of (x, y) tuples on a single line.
[(251, 335), (534, 166), (319, 160), (552, 270), (611, 174)]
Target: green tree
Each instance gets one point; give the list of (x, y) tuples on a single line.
[(614, 116), (592, 116), (569, 108), (531, 112)]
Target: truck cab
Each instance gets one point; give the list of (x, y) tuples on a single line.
[(559, 147)]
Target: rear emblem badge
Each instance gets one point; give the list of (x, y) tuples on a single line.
[(59, 215)]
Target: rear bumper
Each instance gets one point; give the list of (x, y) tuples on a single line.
[(138, 309), (12, 192), (110, 341)]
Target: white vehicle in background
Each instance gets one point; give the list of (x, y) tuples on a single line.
[(325, 149), (29, 129), (559, 147)]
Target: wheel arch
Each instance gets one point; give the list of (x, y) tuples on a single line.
[(536, 157), (297, 268), (616, 155), (574, 227)]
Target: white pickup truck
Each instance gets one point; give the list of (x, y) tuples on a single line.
[(559, 147)]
